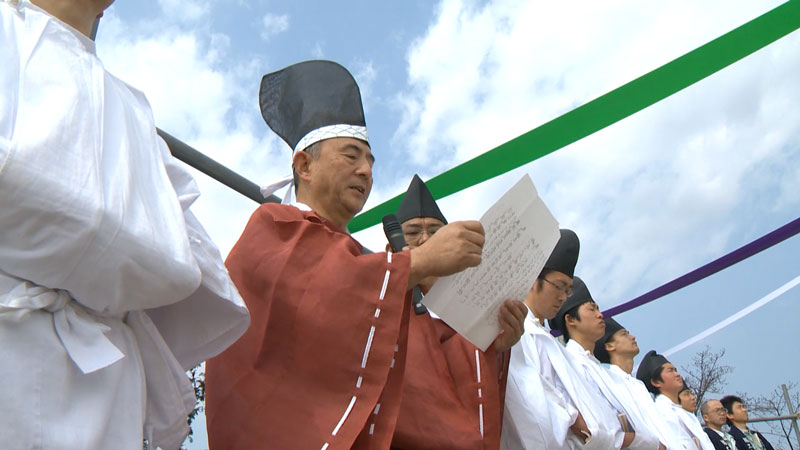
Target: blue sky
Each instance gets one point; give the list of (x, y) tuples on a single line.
[(652, 197)]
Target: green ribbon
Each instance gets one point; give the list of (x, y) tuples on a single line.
[(606, 109)]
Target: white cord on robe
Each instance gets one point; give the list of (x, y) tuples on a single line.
[(288, 197), (733, 318)]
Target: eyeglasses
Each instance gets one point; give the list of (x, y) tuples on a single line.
[(414, 235), (561, 288)]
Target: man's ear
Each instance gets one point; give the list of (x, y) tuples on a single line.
[(301, 163), (656, 384), (610, 347), (569, 320)]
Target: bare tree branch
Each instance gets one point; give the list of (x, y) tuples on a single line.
[(706, 374)]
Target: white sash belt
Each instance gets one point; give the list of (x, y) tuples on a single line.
[(170, 396), (83, 337)]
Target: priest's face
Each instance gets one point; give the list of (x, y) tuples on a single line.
[(418, 230), (341, 177), (688, 401), (548, 294), (591, 324), (623, 343), (671, 380)]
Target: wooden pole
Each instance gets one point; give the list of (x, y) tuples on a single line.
[(215, 170)]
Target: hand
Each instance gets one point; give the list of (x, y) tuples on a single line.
[(580, 429), (662, 447), (455, 247), (511, 317), (426, 284)]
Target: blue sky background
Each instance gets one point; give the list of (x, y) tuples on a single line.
[(652, 197)]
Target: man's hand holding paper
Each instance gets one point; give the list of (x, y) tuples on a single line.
[(520, 233)]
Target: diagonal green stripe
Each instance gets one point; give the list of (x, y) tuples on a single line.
[(608, 108)]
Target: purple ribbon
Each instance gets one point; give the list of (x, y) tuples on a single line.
[(723, 262)]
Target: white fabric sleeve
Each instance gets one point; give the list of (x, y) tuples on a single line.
[(85, 202), (536, 414), (214, 316)]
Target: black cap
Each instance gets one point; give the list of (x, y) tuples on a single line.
[(312, 101), (418, 202), (565, 254), (651, 362), (600, 352), (580, 295)]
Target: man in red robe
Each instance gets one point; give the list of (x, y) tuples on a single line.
[(322, 363), (452, 391)]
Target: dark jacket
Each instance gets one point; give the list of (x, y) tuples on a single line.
[(716, 439), (743, 444)]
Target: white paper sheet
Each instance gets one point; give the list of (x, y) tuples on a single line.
[(520, 235)]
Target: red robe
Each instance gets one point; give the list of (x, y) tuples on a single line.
[(321, 366), (443, 401)]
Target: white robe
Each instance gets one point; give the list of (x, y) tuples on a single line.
[(109, 287), (613, 400), (642, 410), (683, 424), (544, 395)]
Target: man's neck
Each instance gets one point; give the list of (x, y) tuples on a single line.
[(532, 307), (585, 341), (740, 425), (82, 19), (714, 427), (672, 396), (626, 364), (315, 206)]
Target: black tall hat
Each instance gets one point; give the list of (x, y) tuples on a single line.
[(418, 202), (565, 255), (580, 295), (600, 352), (651, 362), (312, 101)]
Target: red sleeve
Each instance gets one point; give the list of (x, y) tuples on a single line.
[(451, 392), (326, 325)]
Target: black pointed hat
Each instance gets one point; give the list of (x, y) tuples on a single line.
[(418, 202), (651, 362), (580, 295), (600, 352), (311, 101), (565, 256)]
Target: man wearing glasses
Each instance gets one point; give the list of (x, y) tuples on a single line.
[(452, 391), (539, 409), (715, 416)]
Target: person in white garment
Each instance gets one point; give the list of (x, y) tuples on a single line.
[(664, 381), (688, 401), (109, 287), (616, 350), (547, 406), (582, 325)]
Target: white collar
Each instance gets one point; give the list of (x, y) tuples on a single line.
[(532, 323)]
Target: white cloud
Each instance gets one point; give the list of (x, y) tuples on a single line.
[(274, 24), (200, 97), (652, 196), (364, 73), (317, 51)]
